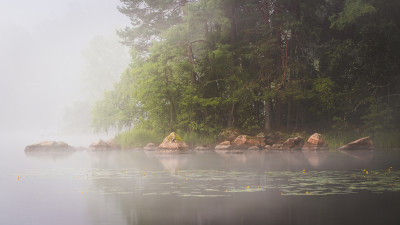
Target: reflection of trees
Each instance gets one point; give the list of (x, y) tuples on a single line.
[(136, 180)]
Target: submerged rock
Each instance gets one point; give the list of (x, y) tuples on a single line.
[(150, 147), (104, 145), (48, 145), (173, 142), (295, 143), (315, 142), (364, 143)]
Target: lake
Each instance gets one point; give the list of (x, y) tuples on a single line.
[(257, 187)]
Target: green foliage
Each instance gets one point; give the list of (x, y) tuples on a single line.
[(323, 91), (353, 10), (201, 66), (379, 119)]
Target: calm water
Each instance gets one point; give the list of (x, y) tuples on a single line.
[(137, 187)]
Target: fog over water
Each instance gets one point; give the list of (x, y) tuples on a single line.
[(41, 59)]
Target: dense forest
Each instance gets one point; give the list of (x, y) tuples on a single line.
[(199, 66)]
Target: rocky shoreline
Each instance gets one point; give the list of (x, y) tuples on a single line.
[(229, 141)]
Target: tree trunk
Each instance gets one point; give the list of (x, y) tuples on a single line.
[(231, 116), (289, 109), (193, 75), (267, 122), (278, 114), (296, 128)]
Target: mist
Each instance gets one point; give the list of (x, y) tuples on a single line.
[(41, 58)]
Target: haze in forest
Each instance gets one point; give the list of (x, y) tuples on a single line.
[(42, 56)]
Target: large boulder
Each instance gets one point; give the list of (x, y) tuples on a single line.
[(48, 145), (315, 142), (173, 142), (245, 141), (364, 143), (228, 134), (104, 145), (295, 143)]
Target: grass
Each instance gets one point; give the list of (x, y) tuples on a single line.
[(137, 138), (194, 139), (383, 141)]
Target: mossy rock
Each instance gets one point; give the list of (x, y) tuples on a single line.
[(173, 142)]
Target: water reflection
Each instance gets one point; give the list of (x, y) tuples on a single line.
[(256, 187), (315, 158), (53, 155), (170, 162), (361, 155)]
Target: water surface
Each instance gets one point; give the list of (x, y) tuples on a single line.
[(138, 187)]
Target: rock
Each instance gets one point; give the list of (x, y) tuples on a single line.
[(273, 147), (173, 142), (228, 134), (315, 142), (150, 147), (104, 145), (267, 147), (295, 143), (364, 143), (245, 141), (254, 148), (202, 148), (225, 143), (48, 145), (223, 146)]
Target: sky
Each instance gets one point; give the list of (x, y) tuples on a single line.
[(41, 61)]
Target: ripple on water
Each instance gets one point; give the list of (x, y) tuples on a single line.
[(211, 183)]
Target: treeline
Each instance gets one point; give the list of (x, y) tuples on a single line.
[(257, 65)]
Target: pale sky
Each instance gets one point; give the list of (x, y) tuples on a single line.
[(40, 57)]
